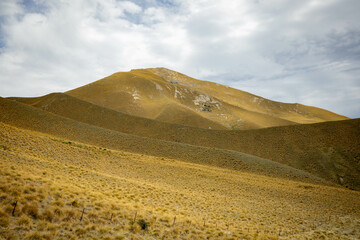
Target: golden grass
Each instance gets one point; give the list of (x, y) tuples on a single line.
[(58, 180), (328, 150), (25, 116)]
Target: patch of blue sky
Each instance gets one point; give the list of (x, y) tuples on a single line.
[(137, 18), (2, 42), (134, 18), (34, 6), (2, 37), (170, 4)]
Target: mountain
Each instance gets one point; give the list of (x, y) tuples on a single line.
[(168, 96)]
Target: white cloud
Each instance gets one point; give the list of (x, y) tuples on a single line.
[(280, 49)]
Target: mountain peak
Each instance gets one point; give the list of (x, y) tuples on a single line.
[(169, 96)]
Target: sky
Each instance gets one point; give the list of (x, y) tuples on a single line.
[(304, 51)]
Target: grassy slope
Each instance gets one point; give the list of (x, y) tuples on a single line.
[(138, 96), (297, 113), (329, 150), (174, 97), (24, 116), (53, 180)]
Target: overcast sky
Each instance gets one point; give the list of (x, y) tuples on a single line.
[(305, 51)]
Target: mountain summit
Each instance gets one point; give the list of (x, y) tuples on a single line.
[(165, 95)]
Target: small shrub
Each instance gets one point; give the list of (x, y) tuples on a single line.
[(3, 214), (92, 215), (143, 224), (58, 212), (4, 220), (102, 230), (3, 147), (119, 238), (3, 197), (58, 203), (48, 215), (7, 234), (30, 197), (80, 231), (42, 225), (34, 236), (4, 188), (31, 210), (23, 221), (134, 227), (74, 203), (69, 215)]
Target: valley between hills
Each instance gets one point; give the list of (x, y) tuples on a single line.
[(155, 154)]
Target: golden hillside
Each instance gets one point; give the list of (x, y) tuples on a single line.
[(70, 190), (169, 96), (328, 150), (27, 117)]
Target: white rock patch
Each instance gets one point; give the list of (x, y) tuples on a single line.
[(257, 100), (200, 99), (135, 95), (158, 87), (177, 92)]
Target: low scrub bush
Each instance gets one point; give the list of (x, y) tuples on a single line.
[(23, 221), (31, 210), (143, 224)]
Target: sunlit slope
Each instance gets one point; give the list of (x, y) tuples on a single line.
[(329, 150), (24, 116), (86, 112), (148, 97), (293, 112), (169, 96), (54, 180)]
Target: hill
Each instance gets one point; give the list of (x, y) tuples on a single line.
[(71, 190), (169, 96), (328, 150), (27, 117)]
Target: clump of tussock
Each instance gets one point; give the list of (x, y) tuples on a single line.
[(47, 215), (31, 210), (4, 219), (24, 221), (143, 224)]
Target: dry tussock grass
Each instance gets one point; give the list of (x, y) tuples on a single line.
[(328, 150), (53, 182)]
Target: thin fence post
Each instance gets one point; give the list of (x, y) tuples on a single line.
[(111, 216), (13, 211), (174, 221), (135, 216), (82, 214)]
